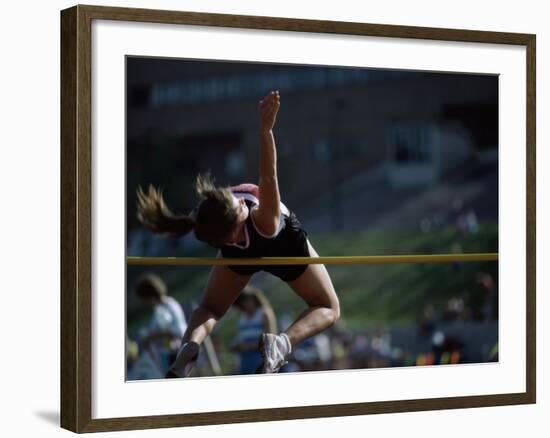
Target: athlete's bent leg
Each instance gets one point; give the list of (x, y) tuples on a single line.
[(315, 287), (222, 289)]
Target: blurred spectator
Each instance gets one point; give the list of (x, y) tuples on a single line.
[(381, 349), (360, 351), (140, 366), (446, 349), (456, 310), (314, 354), (257, 317), (340, 352), (467, 222), (132, 353), (161, 337), (489, 307), (324, 351), (426, 326)]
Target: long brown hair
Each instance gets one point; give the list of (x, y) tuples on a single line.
[(213, 219), (150, 285)]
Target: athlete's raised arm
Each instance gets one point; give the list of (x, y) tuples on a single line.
[(267, 215)]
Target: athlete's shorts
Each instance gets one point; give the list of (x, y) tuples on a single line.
[(292, 242)]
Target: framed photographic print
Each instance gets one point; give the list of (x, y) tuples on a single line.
[(270, 218)]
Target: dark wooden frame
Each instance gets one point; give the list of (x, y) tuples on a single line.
[(76, 174)]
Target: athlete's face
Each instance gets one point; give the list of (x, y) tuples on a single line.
[(242, 214)]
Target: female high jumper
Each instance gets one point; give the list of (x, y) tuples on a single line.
[(247, 221)]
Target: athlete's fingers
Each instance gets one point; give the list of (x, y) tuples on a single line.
[(272, 95), (268, 106), (272, 109), (266, 101)]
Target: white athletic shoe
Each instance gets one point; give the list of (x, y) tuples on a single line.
[(185, 361), (274, 350)]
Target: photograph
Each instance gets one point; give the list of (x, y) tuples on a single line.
[(230, 159), (268, 218)]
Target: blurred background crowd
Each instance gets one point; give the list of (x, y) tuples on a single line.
[(373, 162)]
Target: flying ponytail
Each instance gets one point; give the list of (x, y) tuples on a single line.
[(213, 220), (205, 187), (155, 215)]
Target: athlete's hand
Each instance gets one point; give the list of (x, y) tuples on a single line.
[(269, 107)]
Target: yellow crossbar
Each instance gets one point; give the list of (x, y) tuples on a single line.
[(341, 260)]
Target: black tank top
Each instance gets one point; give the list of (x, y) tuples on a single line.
[(287, 241)]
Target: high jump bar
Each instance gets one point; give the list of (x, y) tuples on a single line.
[(339, 260)]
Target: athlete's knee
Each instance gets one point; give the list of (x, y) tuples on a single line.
[(332, 313)]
